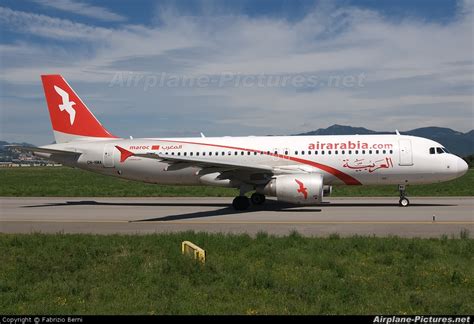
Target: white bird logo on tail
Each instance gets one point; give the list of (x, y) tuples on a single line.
[(66, 105)]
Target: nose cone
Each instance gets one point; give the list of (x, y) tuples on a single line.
[(461, 167)]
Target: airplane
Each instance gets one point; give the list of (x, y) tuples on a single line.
[(299, 170)]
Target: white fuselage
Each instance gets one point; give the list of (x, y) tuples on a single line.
[(341, 159)]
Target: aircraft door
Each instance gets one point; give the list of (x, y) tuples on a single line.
[(109, 150), (405, 151)]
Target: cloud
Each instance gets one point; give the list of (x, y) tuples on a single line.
[(407, 63), (83, 9), (49, 27)]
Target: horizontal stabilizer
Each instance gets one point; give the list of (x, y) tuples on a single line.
[(33, 149)]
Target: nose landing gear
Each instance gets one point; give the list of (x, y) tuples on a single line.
[(403, 202)]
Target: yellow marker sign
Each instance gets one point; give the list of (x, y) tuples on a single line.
[(191, 248)]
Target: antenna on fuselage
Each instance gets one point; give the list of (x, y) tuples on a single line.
[(397, 132), (131, 137), (202, 135)]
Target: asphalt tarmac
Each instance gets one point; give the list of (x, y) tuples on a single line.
[(425, 217)]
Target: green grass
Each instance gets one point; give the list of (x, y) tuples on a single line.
[(67, 182), (91, 274)]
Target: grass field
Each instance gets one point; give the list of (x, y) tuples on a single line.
[(67, 182), (87, 274)]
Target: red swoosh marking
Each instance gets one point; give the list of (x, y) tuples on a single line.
[(347, 179)]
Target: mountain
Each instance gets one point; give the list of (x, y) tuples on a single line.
[(459, 143), (7, 155), (3, 144), (340, 130)]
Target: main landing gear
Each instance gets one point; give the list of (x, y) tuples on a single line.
[(242, 202), (403, 202), (257, 198)]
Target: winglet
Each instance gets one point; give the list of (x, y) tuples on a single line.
[(124, 154)]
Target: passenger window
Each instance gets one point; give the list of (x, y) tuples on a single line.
[(286, 152), (296, 152), (363, 151), (391, 151), (322, 152), (439, 150), (172, 153), (302, 152), (384, 151), (223, 153), (191, 153), (329, 152), (185, 153), (315, 152), (335, 152), (377, 152), (350, 152), (370, 151), (179, 153), (197, 153), (248, 152), (356, 152), (343, 152), (203, 153)]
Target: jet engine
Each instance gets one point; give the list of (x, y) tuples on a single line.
[(303, 189)]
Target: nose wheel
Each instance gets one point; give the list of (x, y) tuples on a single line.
[(403, 202)]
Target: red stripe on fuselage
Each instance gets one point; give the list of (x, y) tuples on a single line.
[(348, 180)]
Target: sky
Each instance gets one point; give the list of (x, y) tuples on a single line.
[(236, 68)]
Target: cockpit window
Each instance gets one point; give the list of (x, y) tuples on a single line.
[(439, 150), (432, 150), (445, 150)]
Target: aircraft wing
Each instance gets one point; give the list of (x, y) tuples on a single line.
[(195, 161)]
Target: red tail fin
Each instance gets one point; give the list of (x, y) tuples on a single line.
[(70, 117)]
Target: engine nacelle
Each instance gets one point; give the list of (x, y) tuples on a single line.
[(303, 189)]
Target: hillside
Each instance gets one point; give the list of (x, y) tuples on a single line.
[(458, 143)]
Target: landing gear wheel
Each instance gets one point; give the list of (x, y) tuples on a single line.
[(241, 203), (403, 202), (257, 199)]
